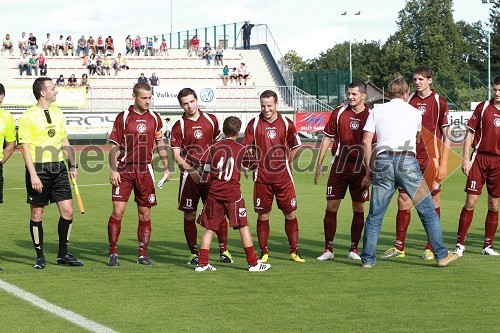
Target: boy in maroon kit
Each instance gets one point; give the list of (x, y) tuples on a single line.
[(432, 155), (191, 137), (135, 134), (345, 128), (224, 197), (274, 141), (482, 168)]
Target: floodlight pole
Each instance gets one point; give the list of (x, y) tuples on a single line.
[(489, 47), (350, 42)]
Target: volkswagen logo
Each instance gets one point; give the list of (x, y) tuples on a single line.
[(206, 95)]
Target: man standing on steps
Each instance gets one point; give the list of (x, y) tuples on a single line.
[(246, 30)]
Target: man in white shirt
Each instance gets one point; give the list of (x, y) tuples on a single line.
[(397, 125), (48, 46)]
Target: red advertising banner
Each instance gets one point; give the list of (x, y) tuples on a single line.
[(311, 121)]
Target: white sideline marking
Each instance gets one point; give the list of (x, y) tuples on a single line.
[(85, 185), (54, 309)]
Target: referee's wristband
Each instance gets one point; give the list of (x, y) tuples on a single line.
[(74, 166)]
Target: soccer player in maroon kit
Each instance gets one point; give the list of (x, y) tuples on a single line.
[(345, 129), (135, 134), (191, 137), (432, 156), (274, 141), (224, 162), (482, 168)]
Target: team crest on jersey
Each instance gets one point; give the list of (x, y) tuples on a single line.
[(293, 202), (496, 122), (364, 194), (242, 212), (354, 124), (271, 133), (51, 133), (422, 109), (152, 198), (141, 128), (198, 134)]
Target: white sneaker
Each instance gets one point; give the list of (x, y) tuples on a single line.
[(489, 251), (459, 250), (326, 255), (354, 255), (260, 267), (205, 268)]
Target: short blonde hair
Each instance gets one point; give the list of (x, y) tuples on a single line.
[(397, 87)]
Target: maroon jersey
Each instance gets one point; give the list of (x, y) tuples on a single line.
[(434, 118), (272, 142), (485, 123), (345, 127), (193, 137), (136, 134), (225, 158)]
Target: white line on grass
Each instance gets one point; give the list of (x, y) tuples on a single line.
[(54, 309), (84, 185)]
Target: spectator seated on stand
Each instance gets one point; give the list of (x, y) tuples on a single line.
[(242, 73), (149, 48), (42, 64), (207, 53), (194, 46), (48, 46), (7, 44), (24, 65), (91, 64), (32, 47), (72, 82), (84, 82), (91, 45), (70, 45), (81, 47), (110, 46), (98, 66), (129, 45), (218, 56), (100, 46), (234, 76), (23, 44), (225, 75), (33, 63), (60, 81), (61, 45), (120, 63), (142, 79), (137, 45), (164, 48), (106, 65)]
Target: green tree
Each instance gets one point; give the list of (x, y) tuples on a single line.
[(495, 37), (295, 62)]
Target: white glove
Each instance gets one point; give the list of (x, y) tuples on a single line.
[(162, 181)]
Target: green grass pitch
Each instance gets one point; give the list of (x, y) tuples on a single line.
[(402, 295)]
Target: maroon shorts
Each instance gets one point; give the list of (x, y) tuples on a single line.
[(428, 170), (214, 211), (343, 175), (484, 169), (137, 177), (263, 195), (190, 193)]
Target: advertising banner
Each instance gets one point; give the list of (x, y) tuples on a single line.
[(66, 96), (311, 121)]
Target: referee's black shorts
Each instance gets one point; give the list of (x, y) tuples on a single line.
[(55, 181)]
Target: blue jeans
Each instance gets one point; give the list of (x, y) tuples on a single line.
[(390, 172)]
